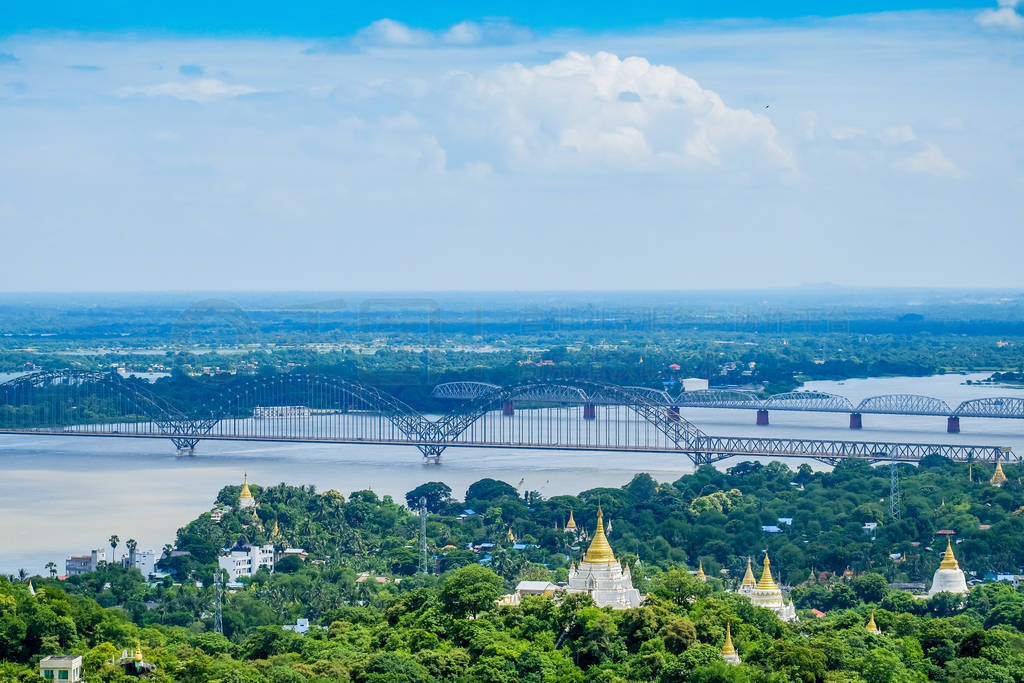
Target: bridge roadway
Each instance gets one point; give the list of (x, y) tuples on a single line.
[(1011, 407), (301, 407)]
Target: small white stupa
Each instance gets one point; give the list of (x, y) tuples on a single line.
[(245, 499), (948, 578), (601, 575)]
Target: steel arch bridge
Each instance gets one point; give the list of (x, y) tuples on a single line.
[(302, 407)]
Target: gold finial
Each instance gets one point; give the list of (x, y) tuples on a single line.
[(998, 479), (138, 651), (571, 524), (511, 536), (246, 494), (872, 627), (728, 649), (599, 550), (767, 583), (949, 559), (700, 571), (748, 578)]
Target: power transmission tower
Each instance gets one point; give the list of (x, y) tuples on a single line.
[(894, 490), (218, 616), (423, 536)]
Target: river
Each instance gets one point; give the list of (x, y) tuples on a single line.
[(66, 495)]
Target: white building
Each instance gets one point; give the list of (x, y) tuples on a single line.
[(948, 578), (695, 384), (82, 564), (600, 575), (246, 560), (145, 562), (61, 668)]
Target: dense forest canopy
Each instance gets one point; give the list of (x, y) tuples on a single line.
[(445, 625)]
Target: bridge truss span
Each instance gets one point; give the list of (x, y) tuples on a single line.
[(814, 401), (904, 404), (997, 406)]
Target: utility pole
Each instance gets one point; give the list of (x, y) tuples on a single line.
[(423, 536), (218, 616), (894, 490)]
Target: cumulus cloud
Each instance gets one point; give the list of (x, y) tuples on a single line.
[(898, 135), (464, 33), (1005, 16), (596, 111), (198, 90), (931, 161), (391, 33)]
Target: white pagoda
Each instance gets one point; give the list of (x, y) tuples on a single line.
[(601, 576), (948, 578)]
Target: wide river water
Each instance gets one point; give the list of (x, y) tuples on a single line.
[(66, 495)]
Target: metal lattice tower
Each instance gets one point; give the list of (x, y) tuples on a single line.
[(423, 536), (218, 616), (894, 490)]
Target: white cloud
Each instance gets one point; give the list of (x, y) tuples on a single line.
[(846, 132), (388, 32), (570, 113), (932, 161), (464, 33), (898, 135), (198, 90), (1005, 16)]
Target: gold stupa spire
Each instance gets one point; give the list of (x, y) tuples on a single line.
[(700, 571), (511, 536), (998, 479), (767, 583), (872, 627), (571, 524), (138, 651), (748, 578), (246, 494), (728, 649), (599, 550), (949, 559)]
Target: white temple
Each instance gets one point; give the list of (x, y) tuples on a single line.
[(766, 594), (948, 578), (600, 575)]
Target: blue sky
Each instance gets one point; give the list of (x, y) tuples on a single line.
[(332, 18), (522, 147)]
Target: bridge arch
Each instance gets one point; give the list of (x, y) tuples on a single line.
[(995, 406), (904, 404), (719, 398), (817, 401), (298, 404)]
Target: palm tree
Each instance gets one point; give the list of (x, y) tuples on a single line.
[(113, 540), (53, 569), (132, 545)]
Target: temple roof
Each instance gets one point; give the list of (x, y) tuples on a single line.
[(599, 551), (767, 583), (999, 478), (949, 559), (748, 578), (571, 524)]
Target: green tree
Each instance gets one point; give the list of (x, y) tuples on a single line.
[(469, 590)]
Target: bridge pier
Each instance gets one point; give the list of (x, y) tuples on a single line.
[(762, 417), (186, 450), (589, 411), (673, 413), (507, 409), (856, 421), (953, 424)]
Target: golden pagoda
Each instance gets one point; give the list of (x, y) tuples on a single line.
[(571, 524), (872, 627), (749, 582), (276, 537), (729, 653), (700, 571), (245, 499), (601, 576), (31, 590), (767, 583), (998, 479), (511, 536), (949, 559), (138, 651), (599, 550)]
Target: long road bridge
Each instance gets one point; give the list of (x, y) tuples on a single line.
[(301, 407), (804, 401)]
